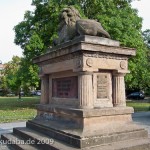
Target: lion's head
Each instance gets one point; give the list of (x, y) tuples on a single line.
[(67, 25), (69, 16)]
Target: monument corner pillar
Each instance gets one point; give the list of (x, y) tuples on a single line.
[(119, 99), (44, 89), (85, 90)]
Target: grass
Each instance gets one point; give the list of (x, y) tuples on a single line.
[(14, 109), (139, 105)]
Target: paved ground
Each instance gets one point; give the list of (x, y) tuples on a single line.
[(141, 118), (8, 127)]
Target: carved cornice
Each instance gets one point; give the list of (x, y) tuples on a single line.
[(102, 55), (90, 46), (80, 54)]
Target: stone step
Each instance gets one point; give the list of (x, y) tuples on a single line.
[(138, 144), (79, 140), (18, 143), (4, 146), (55, 133), (41, 140)]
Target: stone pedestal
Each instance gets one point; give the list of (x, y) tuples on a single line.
[(83, 101), (86, 92)]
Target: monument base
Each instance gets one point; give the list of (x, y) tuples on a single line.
[(70, 128), (87, 127), (83, 103)]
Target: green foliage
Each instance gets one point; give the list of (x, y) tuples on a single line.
[(146, 36), (29, 75), (19, 74), (38, 29), (11, 79), (3, 85)]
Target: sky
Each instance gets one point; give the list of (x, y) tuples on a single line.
[(12, 12), (143, 11)]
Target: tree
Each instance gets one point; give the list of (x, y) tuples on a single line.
[(38, 29), (3, 85), (11, 79), (146, 36), (19, 75), (28, 76)]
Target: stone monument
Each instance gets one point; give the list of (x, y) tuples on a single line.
[(83, 104)]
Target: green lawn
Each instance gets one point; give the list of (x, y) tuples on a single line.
[(139, 105), (14, 109)]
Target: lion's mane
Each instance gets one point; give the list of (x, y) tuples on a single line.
[(71, 25)]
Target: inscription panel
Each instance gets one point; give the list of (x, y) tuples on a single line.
[(102, 86), (66, 87)]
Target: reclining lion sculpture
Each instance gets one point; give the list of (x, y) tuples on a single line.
[(71, 25)]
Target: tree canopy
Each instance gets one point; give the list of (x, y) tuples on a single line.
[(38, 29), (146, 36), (11, 79), (14, 73)]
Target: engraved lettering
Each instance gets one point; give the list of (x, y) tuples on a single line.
[(102, 86)]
